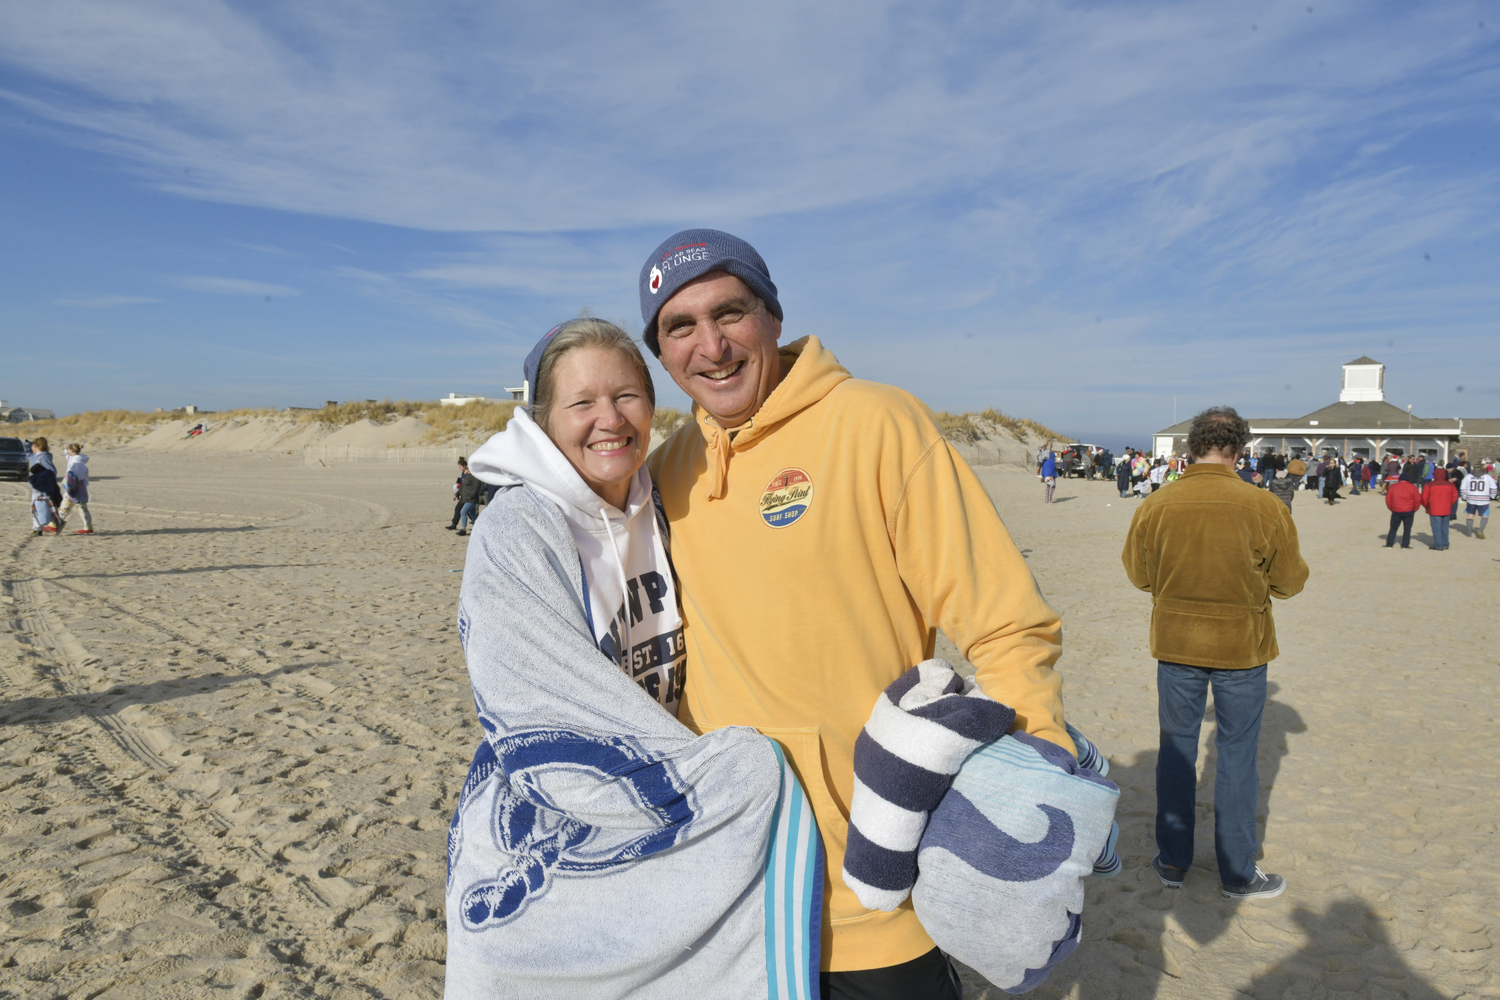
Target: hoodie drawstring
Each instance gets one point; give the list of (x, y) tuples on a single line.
[(624, 585), (717, 448)]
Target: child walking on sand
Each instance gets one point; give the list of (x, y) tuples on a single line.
[(45, 496), (76, 490)]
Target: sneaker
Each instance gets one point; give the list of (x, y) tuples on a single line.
[(1479, 535), (84, 531), (1170, 877), (1263, 886), (50, 529), (462, 533), (450, 527)]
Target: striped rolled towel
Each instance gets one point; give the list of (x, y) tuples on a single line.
[(922, 729)]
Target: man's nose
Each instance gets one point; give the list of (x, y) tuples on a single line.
[(714, 344)]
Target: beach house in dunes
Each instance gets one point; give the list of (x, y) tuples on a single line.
[(23, 414)]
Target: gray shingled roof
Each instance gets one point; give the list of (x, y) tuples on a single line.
[(1365, 360), (1481, 427), (1362, 416), (1367, 416)]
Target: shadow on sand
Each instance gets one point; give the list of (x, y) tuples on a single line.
[(1130, 920), (1422, 538), (177, 572), (1347, 953), (61, 708), (182, 531)]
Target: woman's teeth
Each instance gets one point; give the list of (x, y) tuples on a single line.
[(604, 446)]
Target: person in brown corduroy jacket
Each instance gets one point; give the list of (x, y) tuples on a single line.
[(1212, 550)]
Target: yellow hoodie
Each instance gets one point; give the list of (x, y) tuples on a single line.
[(818, 549)]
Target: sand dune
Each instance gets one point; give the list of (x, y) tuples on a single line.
[(275, 434), (236, 721)]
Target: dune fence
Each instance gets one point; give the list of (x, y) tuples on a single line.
[(342, 454)]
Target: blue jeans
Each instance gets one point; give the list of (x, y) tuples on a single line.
[(1439, 531), (467, 516), (1239, 699)]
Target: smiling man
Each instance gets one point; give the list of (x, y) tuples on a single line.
[(822, 530)]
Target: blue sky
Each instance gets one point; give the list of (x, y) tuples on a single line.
[(1074, 212)]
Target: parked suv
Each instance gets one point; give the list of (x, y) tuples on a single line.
[(13, 457), (1070, 462)]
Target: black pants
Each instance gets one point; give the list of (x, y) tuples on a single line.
[(456, 508), (1404, 521), (931, 977)]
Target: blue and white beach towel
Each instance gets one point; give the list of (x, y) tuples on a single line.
[(600, 849), (991, 833)]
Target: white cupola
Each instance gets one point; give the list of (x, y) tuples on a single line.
[(1364, 382)]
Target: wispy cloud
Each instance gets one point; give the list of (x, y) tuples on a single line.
[(466, 123), (106, 301), (230, 286), (1141, 189)]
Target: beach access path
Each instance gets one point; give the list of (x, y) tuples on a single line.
[(236, 720)]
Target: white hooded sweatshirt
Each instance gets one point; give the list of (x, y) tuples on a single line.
[(78, 468), (622, 553)]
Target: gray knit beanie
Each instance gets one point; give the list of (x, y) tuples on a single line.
[(691, 254)]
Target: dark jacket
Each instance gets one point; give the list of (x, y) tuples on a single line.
[(43, 479), (1212, 551), (1284, 489), (469, 489)]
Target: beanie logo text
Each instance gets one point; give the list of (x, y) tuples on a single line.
[(676, 258), (786, 498)]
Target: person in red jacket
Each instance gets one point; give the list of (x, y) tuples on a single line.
[(1402, 499), (1440, 497)]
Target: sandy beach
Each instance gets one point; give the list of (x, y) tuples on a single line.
[(236, 721)]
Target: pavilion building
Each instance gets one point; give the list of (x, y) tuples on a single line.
[(1360, 423)]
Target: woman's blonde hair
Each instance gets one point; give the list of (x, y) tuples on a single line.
[(40, 444), (585, 331)]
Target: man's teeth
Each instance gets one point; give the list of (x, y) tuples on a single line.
[(609, 445), (724, 373)]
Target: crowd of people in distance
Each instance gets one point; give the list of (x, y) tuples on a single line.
[(1409, 483), (52, 500), (1135, 473)]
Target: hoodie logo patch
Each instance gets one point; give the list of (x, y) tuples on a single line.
[(786, 498), (655, 280)]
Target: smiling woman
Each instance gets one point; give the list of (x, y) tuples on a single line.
[(594, 398)]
